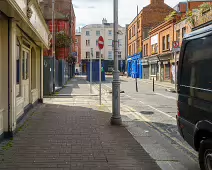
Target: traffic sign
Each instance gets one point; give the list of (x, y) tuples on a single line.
[(101, 42), (176, 46)]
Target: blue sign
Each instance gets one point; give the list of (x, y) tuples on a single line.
[(74, 54)]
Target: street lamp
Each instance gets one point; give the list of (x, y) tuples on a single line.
[(116, 117), (53, 43)]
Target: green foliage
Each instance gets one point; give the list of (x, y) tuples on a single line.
[(205, 7), (171, 16), (71, 59), (62, 40)]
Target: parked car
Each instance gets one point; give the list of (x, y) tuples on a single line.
[(194, 116)]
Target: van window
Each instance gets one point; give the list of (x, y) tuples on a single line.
[(197, 64)]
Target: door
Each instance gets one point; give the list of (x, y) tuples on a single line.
[(25, 76)]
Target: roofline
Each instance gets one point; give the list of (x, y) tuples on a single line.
[(199, 31)]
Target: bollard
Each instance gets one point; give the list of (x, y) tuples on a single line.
[(153, 84)]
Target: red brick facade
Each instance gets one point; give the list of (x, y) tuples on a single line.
[(150, 16)]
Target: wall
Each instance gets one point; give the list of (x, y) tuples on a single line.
[(78, 47), (3, 75), (107, 47), (149, 17)]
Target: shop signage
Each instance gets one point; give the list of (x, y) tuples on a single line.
[(154, 39)]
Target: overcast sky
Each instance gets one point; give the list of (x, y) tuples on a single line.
[(93, 11)]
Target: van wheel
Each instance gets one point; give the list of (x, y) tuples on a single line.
[(205, 155)]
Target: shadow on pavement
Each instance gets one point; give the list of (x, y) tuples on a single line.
[(74, 137)]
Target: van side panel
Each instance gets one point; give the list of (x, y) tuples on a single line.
[(195, 84)]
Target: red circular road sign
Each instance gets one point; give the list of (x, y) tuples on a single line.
[(101, 42)]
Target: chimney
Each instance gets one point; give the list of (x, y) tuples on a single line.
[(156, 2), (104, 21)]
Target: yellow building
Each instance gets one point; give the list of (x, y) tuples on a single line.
[(23, 36)]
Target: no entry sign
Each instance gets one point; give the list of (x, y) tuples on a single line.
[(101, 42)]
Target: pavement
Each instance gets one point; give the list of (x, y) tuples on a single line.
[(157, 110), (74, 133)]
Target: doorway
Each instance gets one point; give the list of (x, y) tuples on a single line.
[(25, 76)]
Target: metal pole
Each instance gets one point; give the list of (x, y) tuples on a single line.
[(53, 44), (100, 80), (175, 81), (116, 117), (91, 68), (136, 81), (153, 85)]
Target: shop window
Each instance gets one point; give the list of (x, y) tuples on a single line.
[(153, 69)]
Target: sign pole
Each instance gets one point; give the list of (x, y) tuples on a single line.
[(91, 79), (175, 56), (100, 79)]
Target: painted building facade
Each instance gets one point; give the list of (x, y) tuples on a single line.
[(23, 36), (89, 40)]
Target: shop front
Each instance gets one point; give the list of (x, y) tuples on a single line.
[(23, 36), (154, 69), (145, 65), (165, 66)]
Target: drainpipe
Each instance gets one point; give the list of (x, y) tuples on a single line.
[(9, 133)]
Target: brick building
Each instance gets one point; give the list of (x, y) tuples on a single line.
[(158, 56), (78, 51), (148, 17)]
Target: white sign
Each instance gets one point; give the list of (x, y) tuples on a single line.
[(154, 40)]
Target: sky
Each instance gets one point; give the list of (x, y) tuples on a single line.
[(93, 11)]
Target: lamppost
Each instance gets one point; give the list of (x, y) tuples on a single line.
[(116, 117), (53, 43)]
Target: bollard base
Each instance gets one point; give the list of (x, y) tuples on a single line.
[(116, 121)]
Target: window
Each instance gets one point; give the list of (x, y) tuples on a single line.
[(146, 49), (134, 30), (76, 41), (97, 33), (97, 54), (183, 32), (87, 42), (101, 55), (178, 35), (110, 42), (196, 63), (87, 54), (130, 34), (138, 24), (134, 47), (110, 55), (96, 42), (167, 42), (25, 65), (119, 55), (164, 43), (110, 32), (119, 43), (87, 33), (154, 48), (130, 52)]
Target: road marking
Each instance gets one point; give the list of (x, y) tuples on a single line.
[(169, 97), (151, 106)]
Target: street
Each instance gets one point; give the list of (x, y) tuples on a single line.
[(158, 109)]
